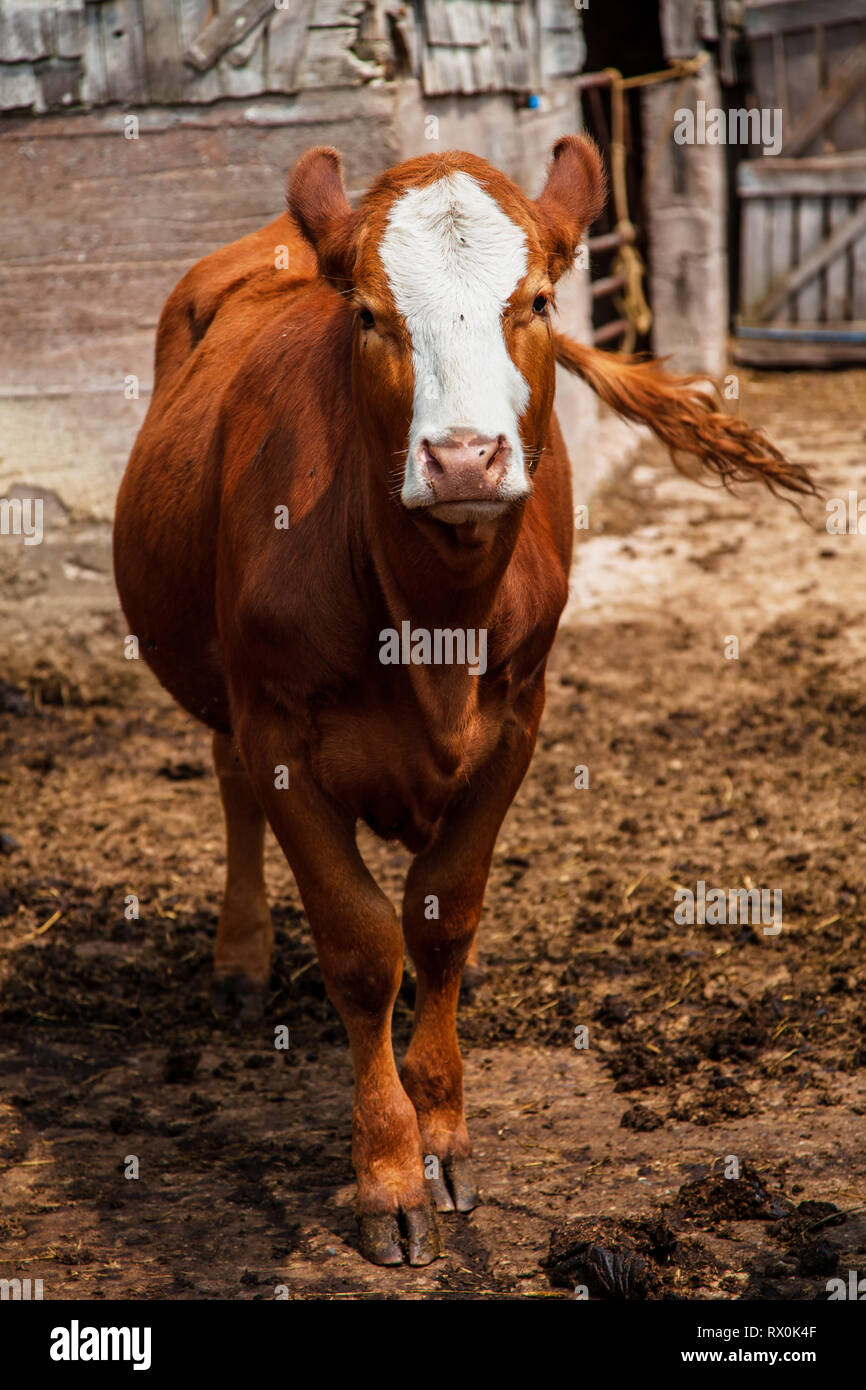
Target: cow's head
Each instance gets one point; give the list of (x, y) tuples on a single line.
[(450, 270)]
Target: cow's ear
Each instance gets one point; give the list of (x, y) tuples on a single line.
[(317, 201), (572, 198)]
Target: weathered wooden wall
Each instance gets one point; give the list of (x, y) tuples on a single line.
[(64, 54), (95, 230), (72, 53)]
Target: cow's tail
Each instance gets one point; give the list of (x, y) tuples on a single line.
[(685, 418)]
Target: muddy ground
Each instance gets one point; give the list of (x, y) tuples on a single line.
[(599, 1166)]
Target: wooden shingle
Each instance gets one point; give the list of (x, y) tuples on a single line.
[(485, 46)]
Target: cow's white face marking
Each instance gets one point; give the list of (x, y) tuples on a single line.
[(453, 258)]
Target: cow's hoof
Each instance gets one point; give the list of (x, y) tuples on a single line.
[(238, 1000), (455, 1189), (461, 1180), (383, 1243), (471, 980)]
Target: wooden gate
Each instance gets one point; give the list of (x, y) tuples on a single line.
[(803, 212)]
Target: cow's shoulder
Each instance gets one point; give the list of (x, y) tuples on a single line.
[(265, 264)]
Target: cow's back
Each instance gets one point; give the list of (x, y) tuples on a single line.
[(168, 503)]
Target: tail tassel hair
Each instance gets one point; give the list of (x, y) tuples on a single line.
[(683, 417)]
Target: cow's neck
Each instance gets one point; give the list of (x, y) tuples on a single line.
[(430, 601), (430, 576)]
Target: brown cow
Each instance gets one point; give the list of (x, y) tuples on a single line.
[(382, 658)]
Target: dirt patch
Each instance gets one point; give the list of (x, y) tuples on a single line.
[(693, 1244), (614, 1054)]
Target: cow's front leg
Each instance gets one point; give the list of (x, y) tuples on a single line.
[(360, 949), (441, 909)]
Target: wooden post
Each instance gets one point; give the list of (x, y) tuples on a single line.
[(686, 210)]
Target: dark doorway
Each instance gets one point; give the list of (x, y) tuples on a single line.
[(626, 36)]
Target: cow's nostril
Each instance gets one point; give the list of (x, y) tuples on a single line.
[(431, 462), (493, 453)]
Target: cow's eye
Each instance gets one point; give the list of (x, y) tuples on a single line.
[(539, 304), (365, 318)]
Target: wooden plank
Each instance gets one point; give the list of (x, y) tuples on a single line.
[(805, 347), (849, 78), (473, 20), (845, 231), (767, 249), (24, 37), (94, 86), (48, 24), (241, 71), (802, 74), (765, 355), (18, 88), (60, 84), (245, 79), (607, 285), (780, 82), (479, 65), (810, 221), (847, 129), (762, 89), (288, 36), (858, 294), (764, 18), (69, 28), (191, 16), (464, 69), (821, 54), (336, 12), (838, 298), (511, 47), (329, 62), (493, 51), (606, 334), (562, 55), (168, 79), (849, 331), (833, 175), (754, 271), (243, 52), (611, 241), (123, 50), (558, 15), (782, 258), (456, 23), (224, 30), (678, 21)]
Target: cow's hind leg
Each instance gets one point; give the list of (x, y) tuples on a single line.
[(245, 936)]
